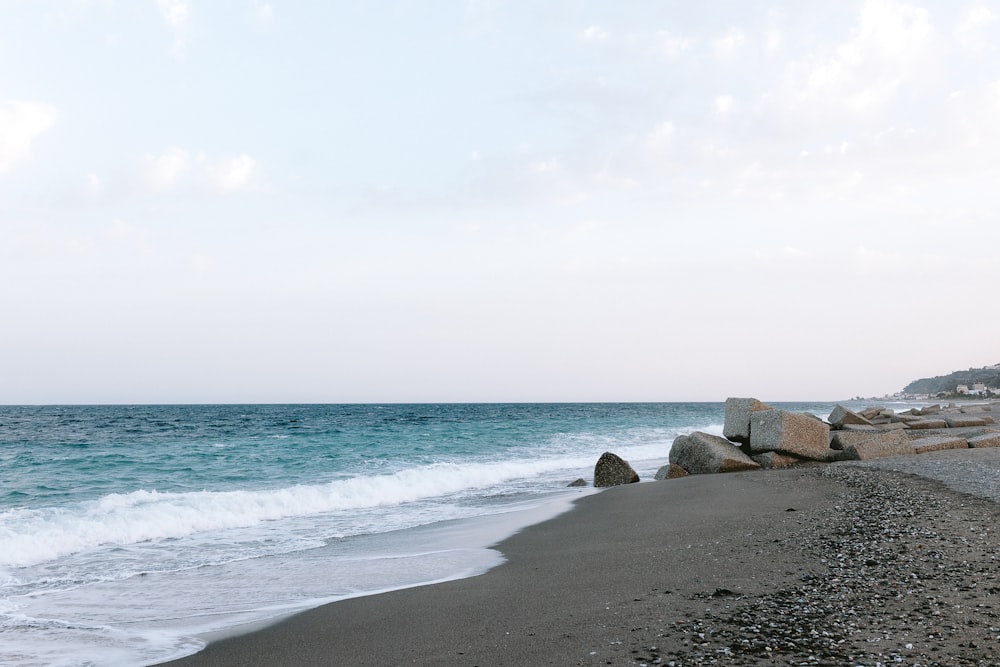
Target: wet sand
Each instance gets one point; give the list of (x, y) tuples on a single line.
[(828, 565)]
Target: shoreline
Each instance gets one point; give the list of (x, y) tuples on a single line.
[(676, 571)]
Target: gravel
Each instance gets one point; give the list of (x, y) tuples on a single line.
[(904, 573)]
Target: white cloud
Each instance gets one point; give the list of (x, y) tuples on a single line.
[(163, 172), (970, 32), (894, 45), (21, 123), (670, 45), (176, 12), (729, 43), (262, 13), (661, 135), (174, 170), (723, 104), (235, 174), (595, 34)]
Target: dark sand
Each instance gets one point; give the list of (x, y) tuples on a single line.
[(830, 565)]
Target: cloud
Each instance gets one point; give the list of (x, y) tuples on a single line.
[(970, 32), (176, 13), (671, 46), (729, 43), (595, 34), (174, 169), (21, 123), (723, 105), (892, 47), (163, 172), (262, 13), (235, 174), (661, 134)]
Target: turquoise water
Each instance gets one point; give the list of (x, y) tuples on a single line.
[(127, 532)]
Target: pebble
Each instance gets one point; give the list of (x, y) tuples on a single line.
[(889, 567)]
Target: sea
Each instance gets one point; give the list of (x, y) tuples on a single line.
[(134, 534)]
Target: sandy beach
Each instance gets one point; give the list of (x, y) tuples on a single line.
[(823, 565)]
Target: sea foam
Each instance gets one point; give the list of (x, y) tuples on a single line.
[(34, 536)]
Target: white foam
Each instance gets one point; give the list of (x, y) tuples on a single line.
[(34, 536)]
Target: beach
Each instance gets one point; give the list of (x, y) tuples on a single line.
[(825, 564)]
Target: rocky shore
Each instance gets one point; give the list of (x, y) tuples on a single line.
[(758, 436)]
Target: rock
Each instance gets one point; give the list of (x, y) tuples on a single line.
[(929, 410), (924, 445), (865, 446), (985, 440), (905, 418), (613, 470), (928, 423), (738, 411), (878, 427), (989, 420), (580, 481), (790, 433), (770, 460), (958, 422), (701, 453), (893, 426), (671, 471), (841, 416)]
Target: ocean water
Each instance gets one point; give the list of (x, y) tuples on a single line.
[(130, 533)]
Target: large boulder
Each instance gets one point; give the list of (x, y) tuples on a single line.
[(738, 411), (927, 423), (790, 433), (771, 460), (859, 446), (936, 444), (961, 421), (985, 440), (701, 453), (670, 471), (841, 416), (613, 470)]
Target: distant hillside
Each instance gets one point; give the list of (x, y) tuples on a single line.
[(989, 375)]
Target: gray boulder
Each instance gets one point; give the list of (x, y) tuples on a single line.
[(858, 446), (924, 445), (670, 471), (580, 481), (960, 421), (985, 440), (702, 453), (737, 424), (790, 433), (841, 416), (771, 460), (613, 470), (928, 423)]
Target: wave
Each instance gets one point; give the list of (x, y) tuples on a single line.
[(30, 537), (33, 536)]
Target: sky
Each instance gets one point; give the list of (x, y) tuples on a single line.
[(237, 201)]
